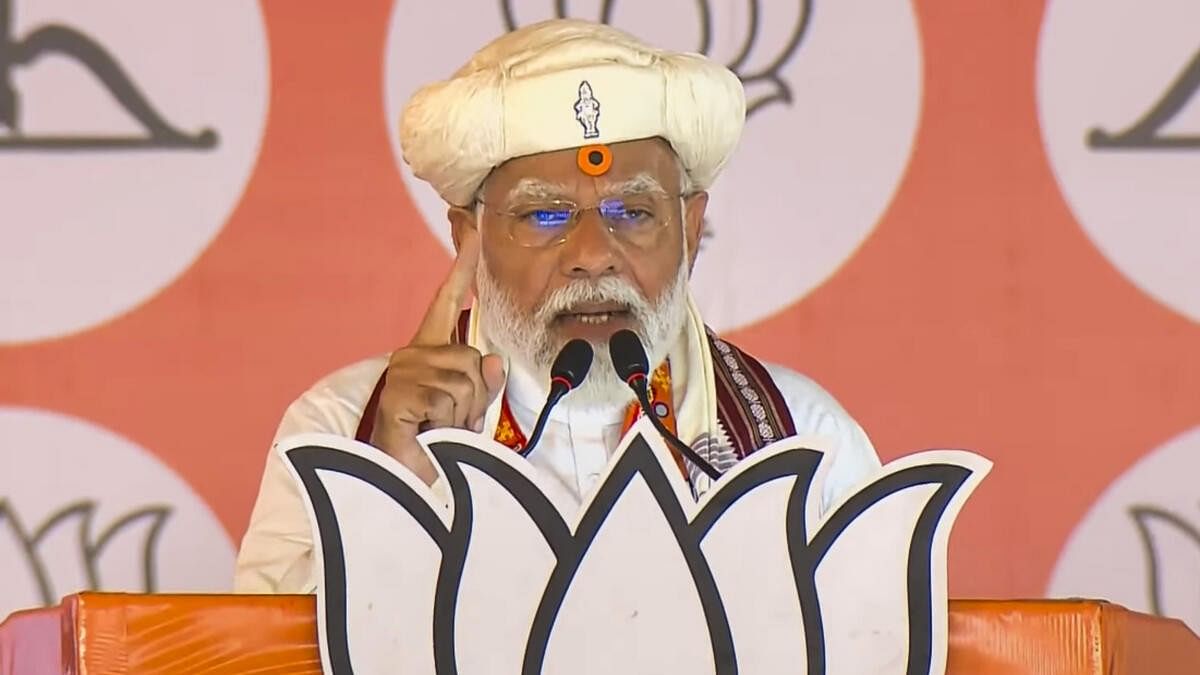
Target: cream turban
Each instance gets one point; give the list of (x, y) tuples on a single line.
[(562, 84)]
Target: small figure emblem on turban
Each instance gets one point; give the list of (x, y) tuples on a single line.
[(587, 111)]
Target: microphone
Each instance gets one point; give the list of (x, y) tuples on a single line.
[(567, 372), (629, 360)]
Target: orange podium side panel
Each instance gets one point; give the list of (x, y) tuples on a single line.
[(1066, 637), (194, 634), (92, 633)]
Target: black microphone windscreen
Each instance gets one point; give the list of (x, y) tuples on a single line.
[(573, 362), (571, 365), (629, 360), (628, 355)]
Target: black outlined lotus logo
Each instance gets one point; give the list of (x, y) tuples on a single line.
[(642, 579), (758, 54), (131, 538), (112, 116), (73, 44), (1171, 546)]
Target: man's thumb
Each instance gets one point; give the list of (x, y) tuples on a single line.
[(492, 368)]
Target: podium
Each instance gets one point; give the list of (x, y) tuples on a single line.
[(93, 633)]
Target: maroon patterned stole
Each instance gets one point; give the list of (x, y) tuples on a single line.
[(750, 408)]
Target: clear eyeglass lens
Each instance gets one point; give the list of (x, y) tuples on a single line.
[(634, 220)]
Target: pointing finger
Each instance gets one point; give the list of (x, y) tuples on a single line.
[(442, 315)]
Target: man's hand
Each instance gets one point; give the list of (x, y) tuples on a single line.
[(432, 383)]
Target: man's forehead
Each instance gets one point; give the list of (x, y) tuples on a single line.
[(639, 165), (642, 183)]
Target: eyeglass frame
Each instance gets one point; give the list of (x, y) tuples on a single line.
[(577, 212)]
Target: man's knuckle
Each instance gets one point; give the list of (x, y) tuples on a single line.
[(429, 398), (459, 380), (474, 357)]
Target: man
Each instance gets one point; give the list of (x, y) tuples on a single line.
[(575, 161)]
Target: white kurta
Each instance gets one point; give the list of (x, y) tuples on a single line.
[(276, 553)]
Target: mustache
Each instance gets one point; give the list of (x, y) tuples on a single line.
[(612, 290)]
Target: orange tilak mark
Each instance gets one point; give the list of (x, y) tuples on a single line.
[(594, 160)]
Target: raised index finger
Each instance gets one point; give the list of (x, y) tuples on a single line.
[(442, 316)]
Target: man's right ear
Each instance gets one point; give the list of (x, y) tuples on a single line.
[(462, 218)]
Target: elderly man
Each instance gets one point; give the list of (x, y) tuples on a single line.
[(574, 160)]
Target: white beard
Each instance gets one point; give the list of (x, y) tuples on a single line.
[(527, 339)]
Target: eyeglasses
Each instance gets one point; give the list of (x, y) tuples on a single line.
[(635, 220)]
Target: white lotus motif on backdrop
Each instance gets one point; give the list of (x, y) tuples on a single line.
[(1171, 544), (69, 551), (754, 39), (752, 578)]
